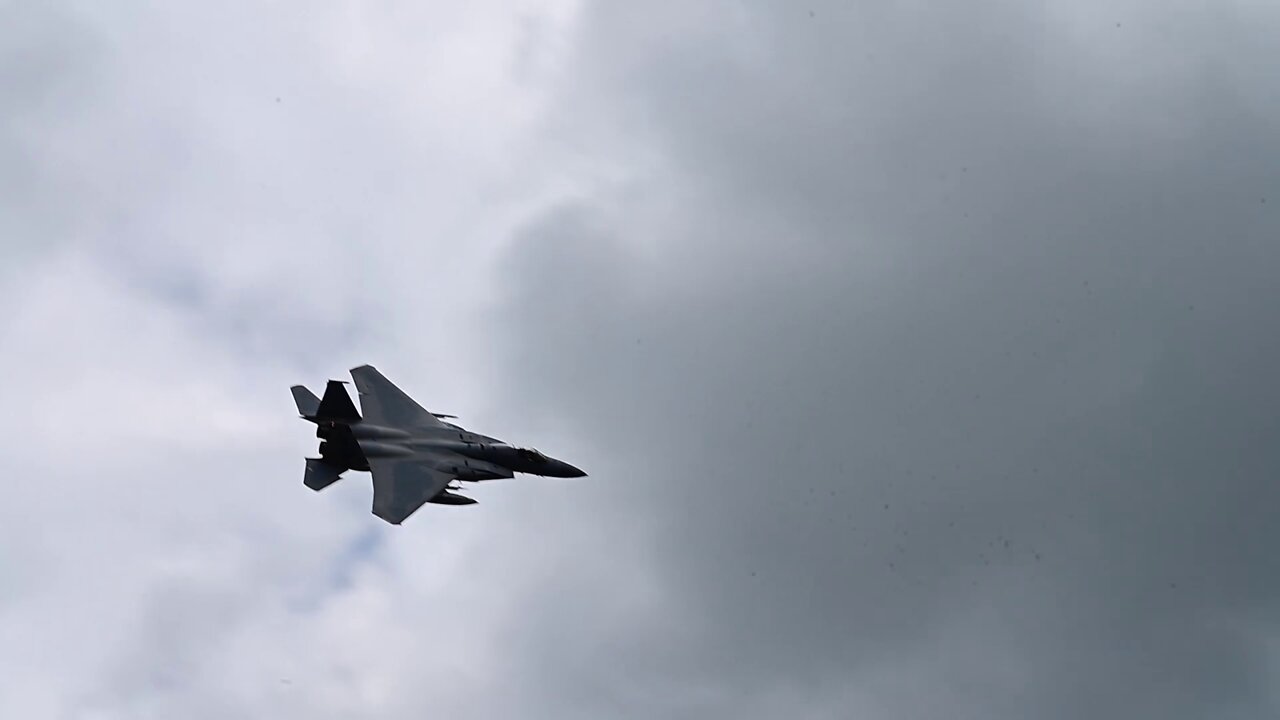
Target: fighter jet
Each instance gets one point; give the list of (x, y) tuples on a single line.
[(412, 453)]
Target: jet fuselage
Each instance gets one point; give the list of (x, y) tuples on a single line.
[(469, 456)]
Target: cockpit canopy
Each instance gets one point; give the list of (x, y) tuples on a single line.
[(531, 455)]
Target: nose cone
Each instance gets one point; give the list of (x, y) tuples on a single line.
[(560, 468)]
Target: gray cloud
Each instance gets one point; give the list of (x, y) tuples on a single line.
[(46, 57), (933, 351), (919, 358)]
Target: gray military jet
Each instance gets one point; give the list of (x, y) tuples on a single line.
[(412, 453)]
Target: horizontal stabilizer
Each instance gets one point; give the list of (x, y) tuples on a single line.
[(320, 474), (337, 404), (306, 401)]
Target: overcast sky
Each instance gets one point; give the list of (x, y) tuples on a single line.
[(923, 358)]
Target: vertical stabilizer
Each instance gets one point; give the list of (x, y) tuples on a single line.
[(337, 405), (306, 401)]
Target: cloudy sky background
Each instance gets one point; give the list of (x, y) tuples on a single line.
[(923, 358)]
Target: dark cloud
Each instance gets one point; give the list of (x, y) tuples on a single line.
[(934, 355)]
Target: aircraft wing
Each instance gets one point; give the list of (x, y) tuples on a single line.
[(402, 485), (385, 404)]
